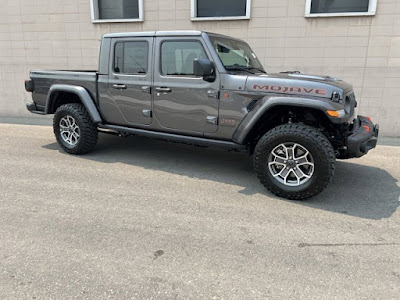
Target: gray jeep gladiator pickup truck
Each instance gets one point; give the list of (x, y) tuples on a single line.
[(210, 90)]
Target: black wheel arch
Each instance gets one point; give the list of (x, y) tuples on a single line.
[(283, 114), (60, 94), (266, 110)]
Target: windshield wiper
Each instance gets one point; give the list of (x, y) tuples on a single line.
[(243, 68), (258, 69), (239, 68)]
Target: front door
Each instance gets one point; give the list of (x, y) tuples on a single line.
[(182, 101), (130, 79)]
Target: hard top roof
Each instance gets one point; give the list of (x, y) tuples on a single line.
[(165, 33), (154, 33)]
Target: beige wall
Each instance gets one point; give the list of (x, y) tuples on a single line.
[(362, 50)]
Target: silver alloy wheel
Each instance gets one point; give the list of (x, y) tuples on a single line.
[(291, 164), (69, 130)]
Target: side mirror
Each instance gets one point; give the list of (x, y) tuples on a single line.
[(204, 68)]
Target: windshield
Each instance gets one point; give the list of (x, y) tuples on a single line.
[(236, 55)]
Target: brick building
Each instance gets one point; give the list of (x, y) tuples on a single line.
[(355, 40)]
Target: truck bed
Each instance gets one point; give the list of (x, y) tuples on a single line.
[(44, 79)]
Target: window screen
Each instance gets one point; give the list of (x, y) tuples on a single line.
[(221, 8), (177, 57), (338, 6), (118, 9), (131, 57)]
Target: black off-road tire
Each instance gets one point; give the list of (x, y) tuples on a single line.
[(316, 143), (88, 130)]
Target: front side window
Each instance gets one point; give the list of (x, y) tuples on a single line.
[(177, 57), (131, 58), (322, 8), (117, 10), (235, 55), (221, 9)]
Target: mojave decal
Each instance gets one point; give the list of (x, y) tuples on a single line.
[(289, 89)]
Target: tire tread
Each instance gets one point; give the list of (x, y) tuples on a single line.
[(308, 133), (88, 129)]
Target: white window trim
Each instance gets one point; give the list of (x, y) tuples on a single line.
[(94, 10), (193, 13), (371, 11)]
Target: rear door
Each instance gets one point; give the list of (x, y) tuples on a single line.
[(182, 101), (130, 78)]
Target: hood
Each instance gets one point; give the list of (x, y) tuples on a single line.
[(298, 84)]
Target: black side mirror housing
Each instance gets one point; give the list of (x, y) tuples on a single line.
[(204, 68)]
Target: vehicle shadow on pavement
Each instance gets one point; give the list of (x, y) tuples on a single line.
[(356, 190)]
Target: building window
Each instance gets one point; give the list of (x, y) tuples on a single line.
[(333, 8), (177, 57), (116, 11), (220, 10), (131, 58)]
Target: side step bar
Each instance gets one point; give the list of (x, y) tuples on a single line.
[(176, 138)]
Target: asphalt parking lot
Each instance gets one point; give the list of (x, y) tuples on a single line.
[(145, 219)]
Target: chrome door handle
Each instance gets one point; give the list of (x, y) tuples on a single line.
[(119, 86), (163, 90)]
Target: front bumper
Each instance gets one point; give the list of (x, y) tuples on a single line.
[(362, 138)]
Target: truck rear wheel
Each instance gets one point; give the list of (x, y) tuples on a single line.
[(294, 161), (74, 130)]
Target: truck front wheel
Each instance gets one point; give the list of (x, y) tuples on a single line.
[(74, 130), (294, 161)]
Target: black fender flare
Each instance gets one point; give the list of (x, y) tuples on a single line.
[(268, 102), (83, 95)]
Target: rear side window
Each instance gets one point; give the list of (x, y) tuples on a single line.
[(177, 57), (131, 57)]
